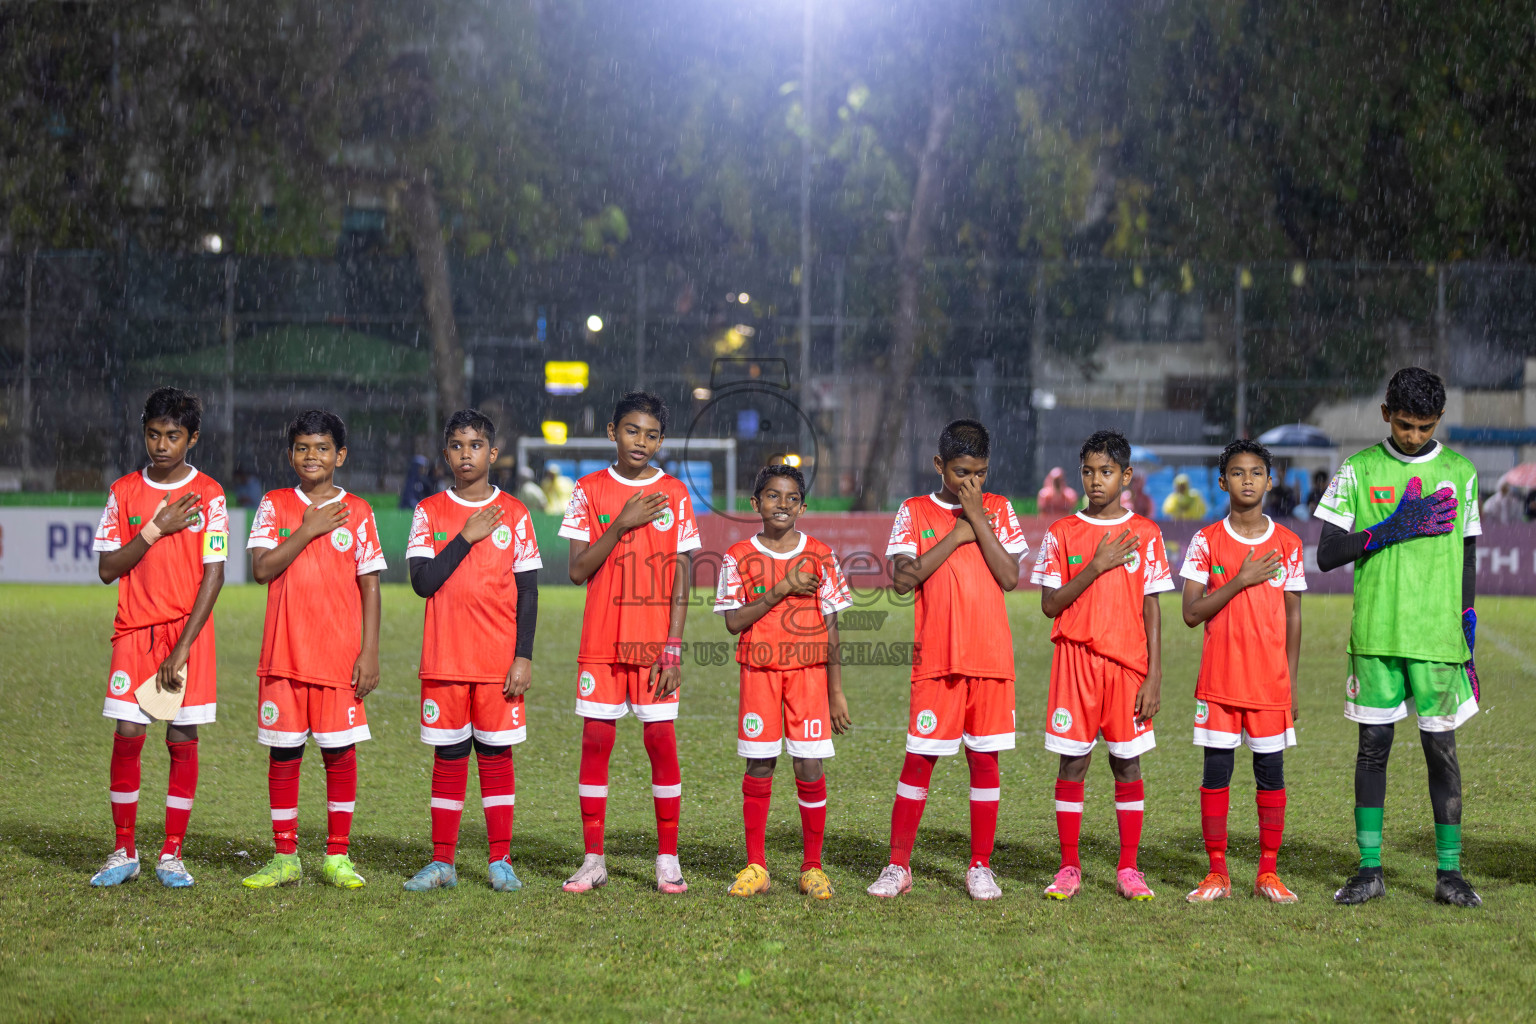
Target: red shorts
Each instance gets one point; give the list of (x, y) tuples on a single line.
[(287, 712), (1092, 695), (453, 712), (1224, 726), (947, 709), (613, 690), (788, 705), (137, 656)]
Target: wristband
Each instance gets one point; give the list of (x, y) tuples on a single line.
[(151, 532), (672, 653)]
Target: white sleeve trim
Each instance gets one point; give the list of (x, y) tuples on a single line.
[(1157, 586), (690, 544), (260, 542), (1189, 572), (574, 533), (1296, 585), (721, 607), (1339, 519), (528, 563), (1473, 529), (1045, 579), (1021, 548), (420, 552), (210, 559), (901, 549), (105, 545), (372, 565), (828, 607)]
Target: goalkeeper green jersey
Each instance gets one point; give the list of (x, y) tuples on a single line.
[(1407, 595)]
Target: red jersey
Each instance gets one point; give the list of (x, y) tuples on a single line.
[(314, 626), (629, 598), (163, 586), (793, 634), (961, 623), (470, 634), (1242, 662), (1107, 617)]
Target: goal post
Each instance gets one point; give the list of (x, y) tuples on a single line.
[(682, 451)]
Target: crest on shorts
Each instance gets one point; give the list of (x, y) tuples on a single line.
[(664, 521), (501, 536), (430, 712), (268, 712), (1061, 720), (119, 683), (586, 683), (927, 721), (752, 725), (1352, 687), (341, 539), (1202, 712)]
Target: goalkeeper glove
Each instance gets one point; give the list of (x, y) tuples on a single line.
[(1415, 516)]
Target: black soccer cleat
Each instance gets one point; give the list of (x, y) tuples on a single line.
[(1361, 888), (1451, 888)]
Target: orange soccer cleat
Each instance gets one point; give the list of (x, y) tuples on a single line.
[(1271, 888)]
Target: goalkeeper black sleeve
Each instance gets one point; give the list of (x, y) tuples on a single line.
[(1468, 573), (1336, 548), (429, 574), (527, 610)]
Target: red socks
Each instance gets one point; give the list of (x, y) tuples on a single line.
[(1129, 805), (450, 779), (813, 819), (1069, 820), (283, 792), (756, 793), (340, 797), (911, 798), (597, 736), (986, 791), (666, 782), (179, 794), (498, 795), (1213, 826), (1271, 826), (123, 788)]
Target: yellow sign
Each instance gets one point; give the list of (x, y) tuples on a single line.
[(555, 432), (565, 378)]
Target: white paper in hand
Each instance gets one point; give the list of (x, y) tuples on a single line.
[(161, 705)]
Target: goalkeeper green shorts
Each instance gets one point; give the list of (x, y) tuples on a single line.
[(1379, 689)]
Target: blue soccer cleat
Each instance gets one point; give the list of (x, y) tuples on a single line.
[(118, 869), (435, 875), (503, 878), (173, 874)]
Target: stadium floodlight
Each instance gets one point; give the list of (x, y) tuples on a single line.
[(213, 243), (743, 298), (702, 394), (555, 432), (792, 459), (565, 377), (594, 323)]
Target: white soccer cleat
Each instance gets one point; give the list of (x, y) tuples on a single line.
[(981, 883), (593, 874), (669, 874), (118, 869), (893, 881), (173, 874)]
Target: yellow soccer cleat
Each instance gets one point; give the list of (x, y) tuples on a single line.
[(1215, 887), (282, 869), (340, 872), (816, 884), (750, 881)]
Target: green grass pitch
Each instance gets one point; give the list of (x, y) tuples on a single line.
[(626, 953)]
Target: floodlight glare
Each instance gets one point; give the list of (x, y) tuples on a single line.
[(594, 323)]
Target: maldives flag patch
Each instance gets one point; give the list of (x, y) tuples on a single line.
[(759, 589), (1383, 495), (440, 535), (928, 534), (135, 520), (1074, 559), (603, 519)]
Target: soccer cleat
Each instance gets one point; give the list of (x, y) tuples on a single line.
[(893, 881), (1065, 885), (669, 874), (592, 874), (814, 883), (173, 874), (1132, 884), (981, 883), (503, 878), (750, 881), (1215, 887), (282, 869), (436, 875), (118, 869), (1361, 888), (1451, 888), (341, 872), (1271, 888)]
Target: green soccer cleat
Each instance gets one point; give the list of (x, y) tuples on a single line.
[(282, 869), (436, 875), (340, 872)]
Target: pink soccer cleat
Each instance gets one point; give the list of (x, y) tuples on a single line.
[(1066, 884), (1132, 884)]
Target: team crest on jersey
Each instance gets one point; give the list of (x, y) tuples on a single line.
[(664, 521), (119, 683), (1445, 485), (1352, 687), (752, 725), (198, 522), (586, 684), (501, 537), (430, 712), (341, 539), (1134, 562), (927, 721), (1202, 712), (1061, 720), (268, 712)]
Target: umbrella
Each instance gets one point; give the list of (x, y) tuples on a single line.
[(1295, 435), (1143, 456), (1522, 476)]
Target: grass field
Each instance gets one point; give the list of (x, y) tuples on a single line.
[(218, 952)]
